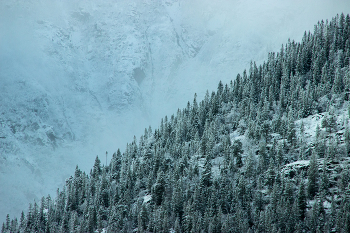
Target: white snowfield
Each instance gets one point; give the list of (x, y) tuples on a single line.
[(79, 78)]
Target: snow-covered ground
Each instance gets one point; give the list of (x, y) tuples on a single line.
[(78, 78)]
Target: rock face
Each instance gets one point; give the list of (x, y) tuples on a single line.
[(79, 78)]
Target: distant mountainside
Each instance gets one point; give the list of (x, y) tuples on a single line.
[(267, 152)]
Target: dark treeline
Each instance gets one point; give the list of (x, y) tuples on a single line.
[(220, 165)]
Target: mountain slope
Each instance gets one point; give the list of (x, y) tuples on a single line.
[(267, 152), (78, 79)]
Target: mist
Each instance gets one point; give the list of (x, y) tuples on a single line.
[(81, 78)]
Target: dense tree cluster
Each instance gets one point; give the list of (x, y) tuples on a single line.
[(220, 165)]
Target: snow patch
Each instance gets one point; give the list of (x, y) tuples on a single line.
[(147, 198)]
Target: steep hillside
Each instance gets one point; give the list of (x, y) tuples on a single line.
[(82, 77), (266, 152)]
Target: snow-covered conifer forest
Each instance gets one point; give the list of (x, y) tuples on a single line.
[(266, 152)]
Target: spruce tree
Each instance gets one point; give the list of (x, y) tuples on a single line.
[(237, 152), (206, 179), (143, 218), (96, 171), (312, 175), (158, 189), (301, 202), (324, 181), (271, 174)]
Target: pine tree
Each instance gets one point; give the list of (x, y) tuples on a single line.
[(338, 86), (7, 223), (301, 202), (250, 166), (96, 171), (347, 138), (288, 192), (242, 191), (177, 200), (205, 183), (312, 173), (177, 226), (92, 219), (291, 132), (271, 174), (324, 182), (22, 221), (143, 218), (73, 222), (114, 219), (116, 163), (158, 189), (237, 152), (332, 121), (188, 218)]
